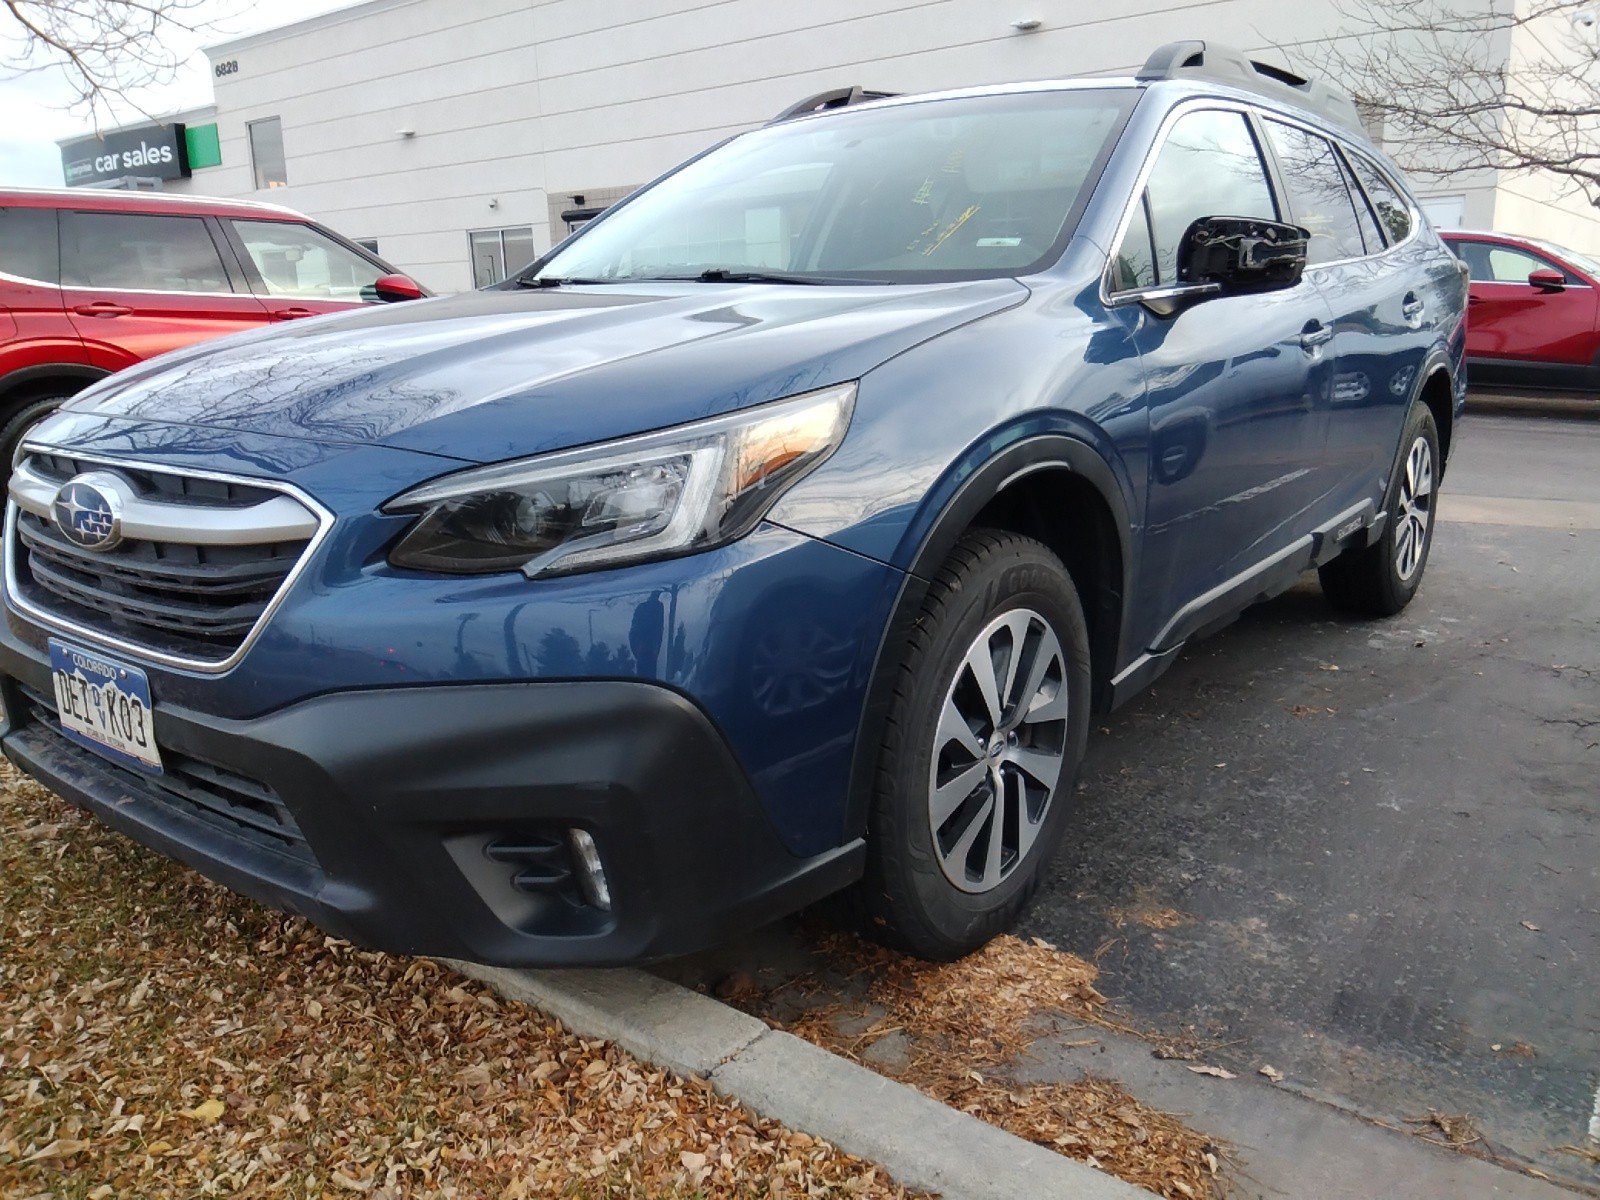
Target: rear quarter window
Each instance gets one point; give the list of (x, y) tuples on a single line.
[(29, 248)]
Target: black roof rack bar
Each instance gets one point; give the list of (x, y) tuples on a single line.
[(832, 98), (1224, 64)]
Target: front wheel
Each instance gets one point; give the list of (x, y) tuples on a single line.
[(985, 735), (1379, 580), (12, 430)]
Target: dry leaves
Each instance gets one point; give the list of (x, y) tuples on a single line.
[(161, 1037), (1454, 1129), (964, 1023)]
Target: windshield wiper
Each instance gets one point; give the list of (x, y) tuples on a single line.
[(723, 275), (551, 281)]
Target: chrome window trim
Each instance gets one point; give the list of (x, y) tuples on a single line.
[(1204, 103), (135, 650), (127, 291)]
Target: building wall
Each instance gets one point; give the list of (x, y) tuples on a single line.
[(517, 105)]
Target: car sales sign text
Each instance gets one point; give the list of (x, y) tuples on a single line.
[(147, 151)]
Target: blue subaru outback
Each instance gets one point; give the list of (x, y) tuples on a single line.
[(775, 536)]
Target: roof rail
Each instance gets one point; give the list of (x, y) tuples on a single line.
[(1224, 64), (841, 97)]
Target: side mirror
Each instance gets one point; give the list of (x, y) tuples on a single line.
[(1547, 280), (1242, 254), (392, 288)]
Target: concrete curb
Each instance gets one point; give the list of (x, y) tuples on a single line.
[(923, 1144)]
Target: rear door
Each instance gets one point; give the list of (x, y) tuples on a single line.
[(1237, 385), (299, 270), (140, 284), (1509, 318), (34, 329), (1385, 310)]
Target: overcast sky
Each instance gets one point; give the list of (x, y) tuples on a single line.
[(33, 106)]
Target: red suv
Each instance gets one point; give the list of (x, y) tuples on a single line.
[(91, 282), (1533, 317)]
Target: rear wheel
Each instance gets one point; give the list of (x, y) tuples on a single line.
[(984, 739), (1379, 580)]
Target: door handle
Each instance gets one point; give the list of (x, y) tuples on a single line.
[(1412, 309), (1315, 336), (102, 308), (291, 314)]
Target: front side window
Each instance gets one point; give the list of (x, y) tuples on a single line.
[(1394, 214), (296, 260), (28, 246), (140, 253), (950, 189), (266, 153), (1317, 192), (1209, 166), (1489, 263)]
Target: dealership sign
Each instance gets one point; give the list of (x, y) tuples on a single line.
[(148, 152)]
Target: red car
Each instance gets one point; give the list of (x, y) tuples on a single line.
[(92, 281), (1533, 313)]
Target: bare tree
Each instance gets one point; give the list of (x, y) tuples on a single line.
[(1461, 84), (105, 49)]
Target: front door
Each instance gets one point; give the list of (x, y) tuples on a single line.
[(1237, 385), (299, 271), (140, 284), (1513, 321)]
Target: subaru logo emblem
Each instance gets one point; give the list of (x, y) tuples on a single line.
[(89, 515)]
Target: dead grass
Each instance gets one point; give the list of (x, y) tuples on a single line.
[(160, 1037), (964, 1024)]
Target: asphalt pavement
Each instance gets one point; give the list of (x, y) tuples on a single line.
[(1366, 854)]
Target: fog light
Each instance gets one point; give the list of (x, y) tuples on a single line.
[(591, 874)]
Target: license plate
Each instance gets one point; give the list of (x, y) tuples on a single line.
[(105, 705)]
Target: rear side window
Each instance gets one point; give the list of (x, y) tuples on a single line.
[(1394, 214), (140, 253), (28, 246), (1317, 192), (1209, 166)]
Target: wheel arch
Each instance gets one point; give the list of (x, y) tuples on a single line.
[(25, 383), (1028, 488), (1438, 392)]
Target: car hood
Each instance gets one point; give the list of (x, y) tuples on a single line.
[(497, 374)]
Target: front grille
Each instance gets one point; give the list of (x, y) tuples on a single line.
[(224, 800), (198, 602)]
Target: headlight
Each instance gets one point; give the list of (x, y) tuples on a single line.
[(653, 496)]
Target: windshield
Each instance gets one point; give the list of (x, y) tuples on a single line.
[(949, 189)]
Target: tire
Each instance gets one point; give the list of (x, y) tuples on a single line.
[(921, 893), (23, 418), (1379, 580)]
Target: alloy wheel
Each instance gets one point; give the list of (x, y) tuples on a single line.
[(1414, 511), (999, 750)]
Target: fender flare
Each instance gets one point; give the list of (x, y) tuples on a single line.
[(1029, 456)]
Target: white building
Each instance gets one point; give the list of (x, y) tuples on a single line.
[(454, 136)]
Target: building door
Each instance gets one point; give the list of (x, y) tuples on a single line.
[(498, 254)]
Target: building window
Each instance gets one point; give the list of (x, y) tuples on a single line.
[(367, 244), (266, 153), (498, 254)]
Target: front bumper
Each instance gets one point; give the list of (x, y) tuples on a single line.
[(426, 815)]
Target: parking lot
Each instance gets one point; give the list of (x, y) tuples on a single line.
[(1366, 855)]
